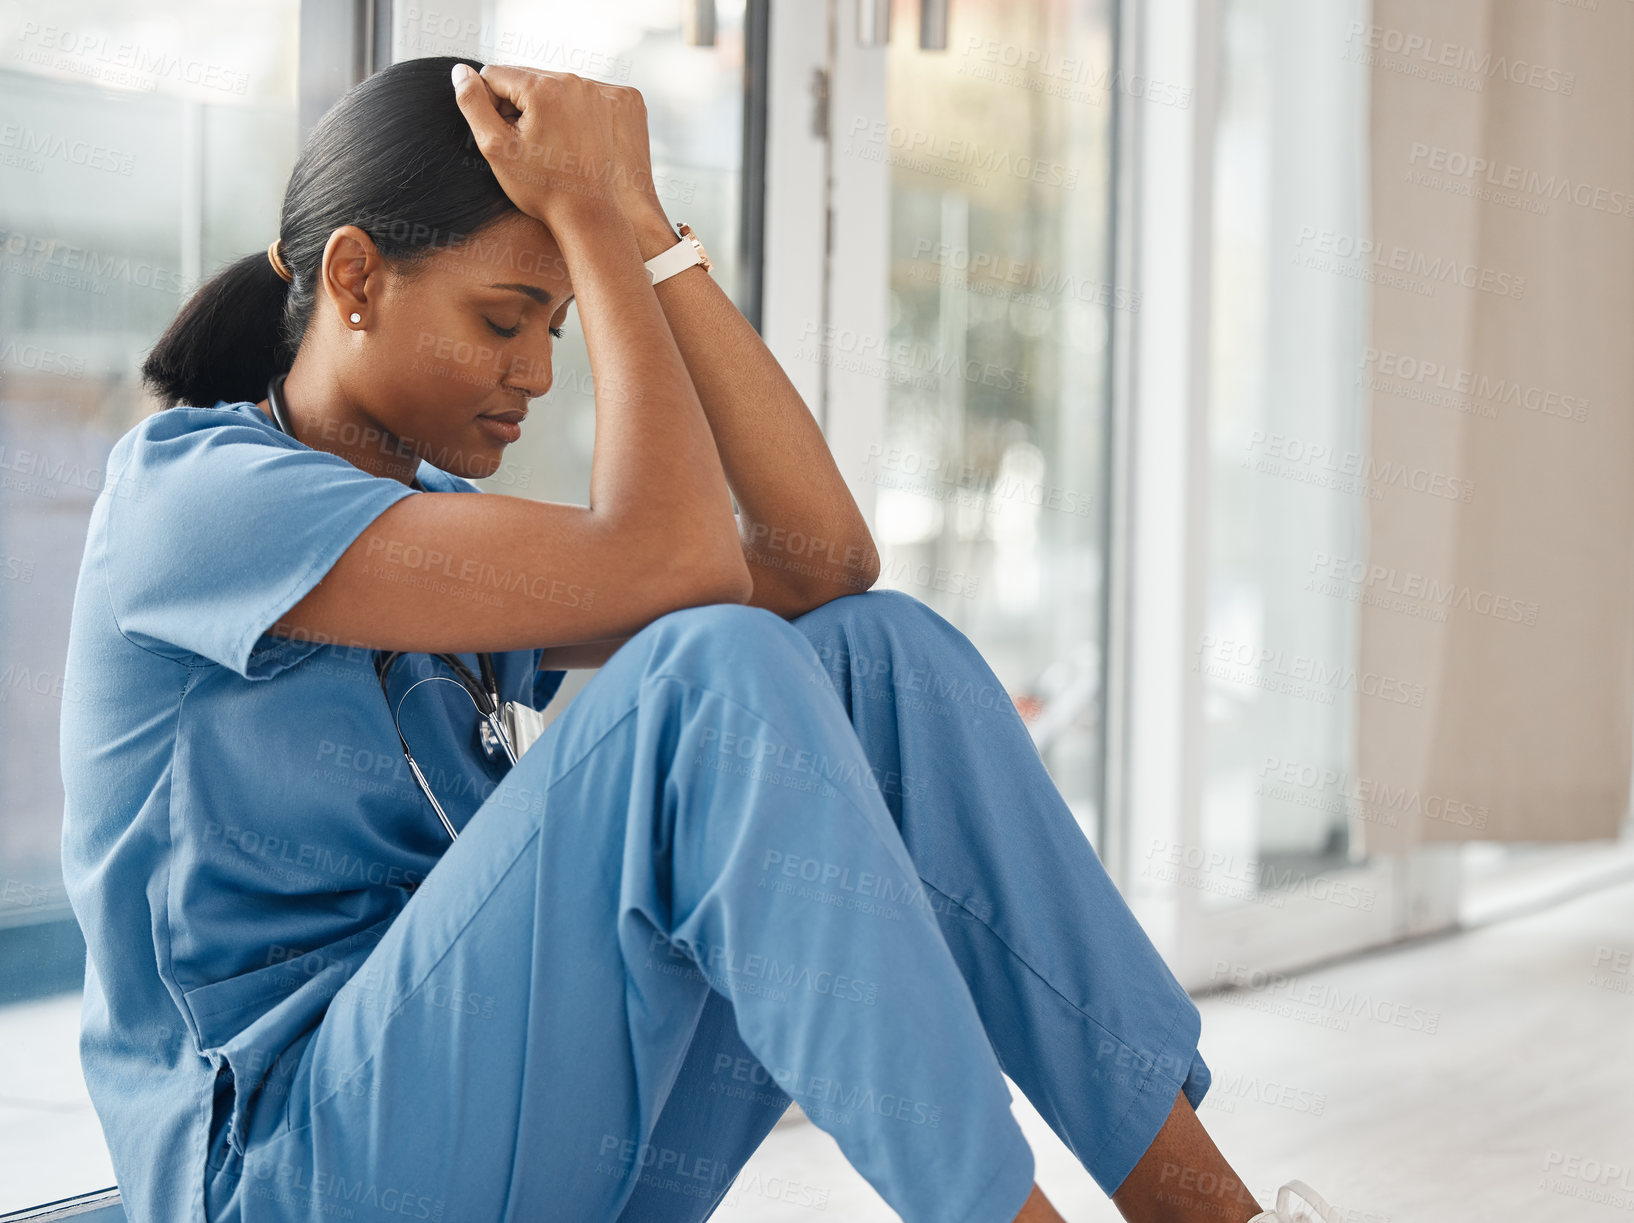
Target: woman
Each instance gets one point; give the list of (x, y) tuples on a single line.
[(346, 957)]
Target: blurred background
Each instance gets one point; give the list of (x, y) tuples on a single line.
[(1248, 379)]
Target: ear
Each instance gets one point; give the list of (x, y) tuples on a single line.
[(351, 267)]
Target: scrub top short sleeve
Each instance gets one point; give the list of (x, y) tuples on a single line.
[(234, 525)]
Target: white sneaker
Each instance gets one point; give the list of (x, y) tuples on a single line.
[(1284, 1213)]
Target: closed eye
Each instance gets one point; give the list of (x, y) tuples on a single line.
[(509, 332)]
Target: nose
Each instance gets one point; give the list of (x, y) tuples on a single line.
[(529, 376)]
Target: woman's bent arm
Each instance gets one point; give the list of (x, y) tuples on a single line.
[(452, 571), (804, 539)]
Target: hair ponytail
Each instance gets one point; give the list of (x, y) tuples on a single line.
[(227, 341), (394, 156)]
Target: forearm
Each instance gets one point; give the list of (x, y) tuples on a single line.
[(655, 470), (804, 539)]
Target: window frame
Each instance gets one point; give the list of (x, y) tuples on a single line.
[(340, 44)]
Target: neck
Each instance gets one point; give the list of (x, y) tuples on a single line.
[(322, 416)]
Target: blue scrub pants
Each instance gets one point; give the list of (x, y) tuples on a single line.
[(753, 860)]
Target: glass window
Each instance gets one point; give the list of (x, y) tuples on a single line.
[(142, 146), (691, 79), (990, 473), (1285, 411)]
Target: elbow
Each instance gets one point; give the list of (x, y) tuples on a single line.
[(868, 567), (858, 568), (733, 584), (718, 575)]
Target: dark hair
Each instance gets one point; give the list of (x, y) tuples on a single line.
[(395, 157)]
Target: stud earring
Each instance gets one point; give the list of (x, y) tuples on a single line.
[(356, 317)]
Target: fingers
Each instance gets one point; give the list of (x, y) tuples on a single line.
[(511, 82), (477, 105)]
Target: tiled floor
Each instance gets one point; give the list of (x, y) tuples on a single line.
[(1514, 1107)]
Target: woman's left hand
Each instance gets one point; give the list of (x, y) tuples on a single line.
[(631, 171)]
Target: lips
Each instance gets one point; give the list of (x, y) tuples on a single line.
[(513, 416)]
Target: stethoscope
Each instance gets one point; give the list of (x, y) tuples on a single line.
[(493, 737)]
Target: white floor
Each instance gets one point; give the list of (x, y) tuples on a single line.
[(1515, 1107)]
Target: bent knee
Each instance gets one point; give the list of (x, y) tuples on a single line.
[(868, 607), (717, 618), (721, 638)]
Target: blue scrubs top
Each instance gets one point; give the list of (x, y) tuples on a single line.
[(240, 825)]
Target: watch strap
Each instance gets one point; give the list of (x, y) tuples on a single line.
[(686, 252)]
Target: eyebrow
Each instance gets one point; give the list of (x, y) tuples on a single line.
[(542, 296)]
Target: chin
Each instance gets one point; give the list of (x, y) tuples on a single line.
[(477, 467)]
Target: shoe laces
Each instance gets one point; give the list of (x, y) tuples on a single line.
[(1284, 1212)]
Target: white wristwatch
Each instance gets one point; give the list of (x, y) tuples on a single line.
[(680, 257)]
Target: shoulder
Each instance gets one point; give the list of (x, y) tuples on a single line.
[(186, 426), (196, 439), (231, 435)]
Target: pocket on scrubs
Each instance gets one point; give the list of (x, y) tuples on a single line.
[(240, 1020)]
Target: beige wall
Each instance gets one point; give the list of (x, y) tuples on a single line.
[(1525, 724)]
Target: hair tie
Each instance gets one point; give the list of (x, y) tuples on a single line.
[(278, 263)]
